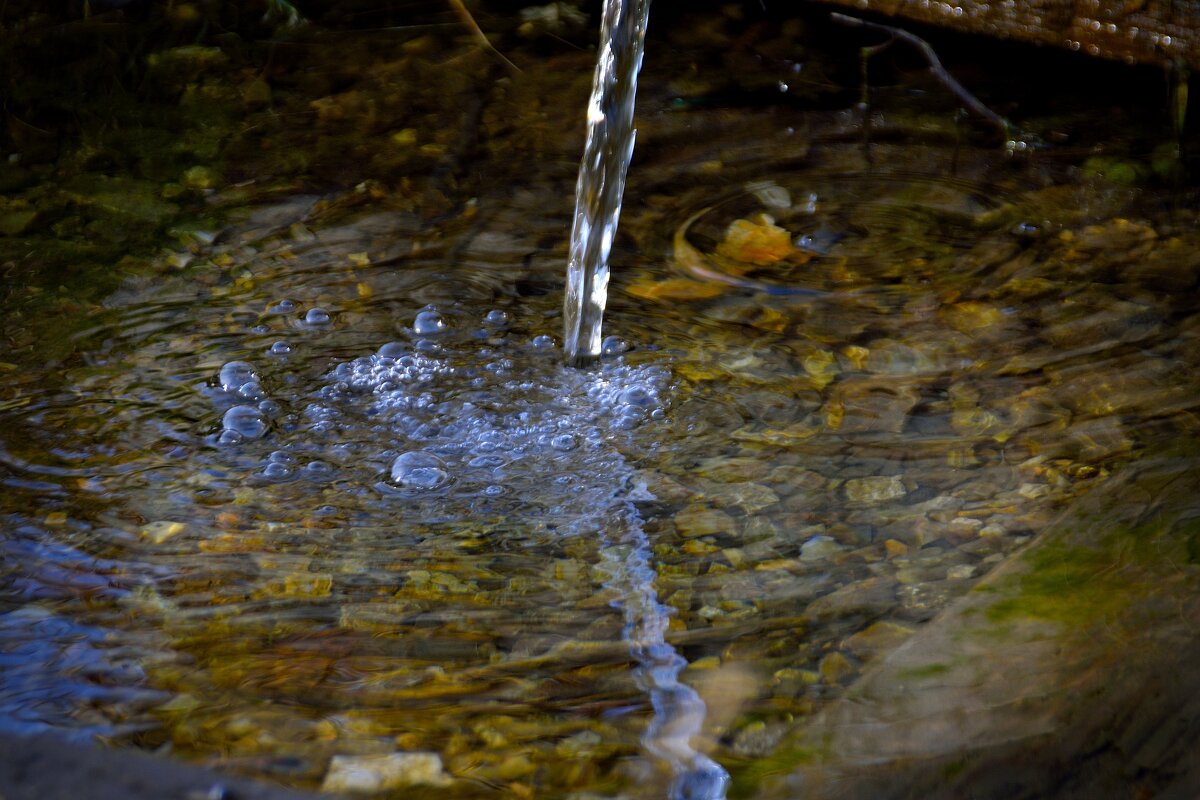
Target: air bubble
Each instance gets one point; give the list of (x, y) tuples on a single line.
[(250, 390), (274, 471), (317, 469), (280, 349), (393, 350), (638, 397), (228, 437), (542, 342), (564, 442), (246, 421), (496, 318), (316, 317), (419, 471), (284, 306), (429, 322), (613, 346), (234, 374)]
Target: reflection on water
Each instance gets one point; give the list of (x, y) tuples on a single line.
[(327, 496)]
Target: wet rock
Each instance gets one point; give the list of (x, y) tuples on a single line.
[(877, 639), (921, 600), (796, 479), (835, 668), (778, 408), (821, 366), (664, 488), (1100, 439), (749, 497), (864, 405), (698, 520), (200, 178), (758, 739), (916, 356), (960, 572), (15, 221), (820, 547), (120, 199), (1169, 267), (381, 773), (876, 489), (963, 529), (974, 317), (1098, 323), (734, 470), (871, 597)]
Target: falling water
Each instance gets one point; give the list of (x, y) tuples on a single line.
[(602, 175)]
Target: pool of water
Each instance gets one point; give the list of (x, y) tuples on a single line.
[(320, 495)]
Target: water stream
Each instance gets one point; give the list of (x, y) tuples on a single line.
[(601, 183)]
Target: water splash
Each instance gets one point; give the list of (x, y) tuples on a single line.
[(601, 180)]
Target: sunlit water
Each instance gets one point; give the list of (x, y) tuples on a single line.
[(330, 492), (601, 183)]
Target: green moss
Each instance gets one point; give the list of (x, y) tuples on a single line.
[(747, 780), (1078, 585), (927, 671)]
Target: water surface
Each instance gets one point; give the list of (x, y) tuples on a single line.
[(326, 493)]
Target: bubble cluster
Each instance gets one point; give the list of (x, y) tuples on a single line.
[(440, 417)]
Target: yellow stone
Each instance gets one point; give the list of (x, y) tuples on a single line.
[(895, 548), (856, 355), (405, 137), (835, 668), (675, 289), (696, 547), (159, 532), (308, 584), (821, 366)]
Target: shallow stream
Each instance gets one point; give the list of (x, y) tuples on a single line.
[(321, 491)]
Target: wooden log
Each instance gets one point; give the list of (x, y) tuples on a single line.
[(1165, 32)]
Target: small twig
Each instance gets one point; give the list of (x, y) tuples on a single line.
[(935, 68), (477, 32), (865, 54)]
